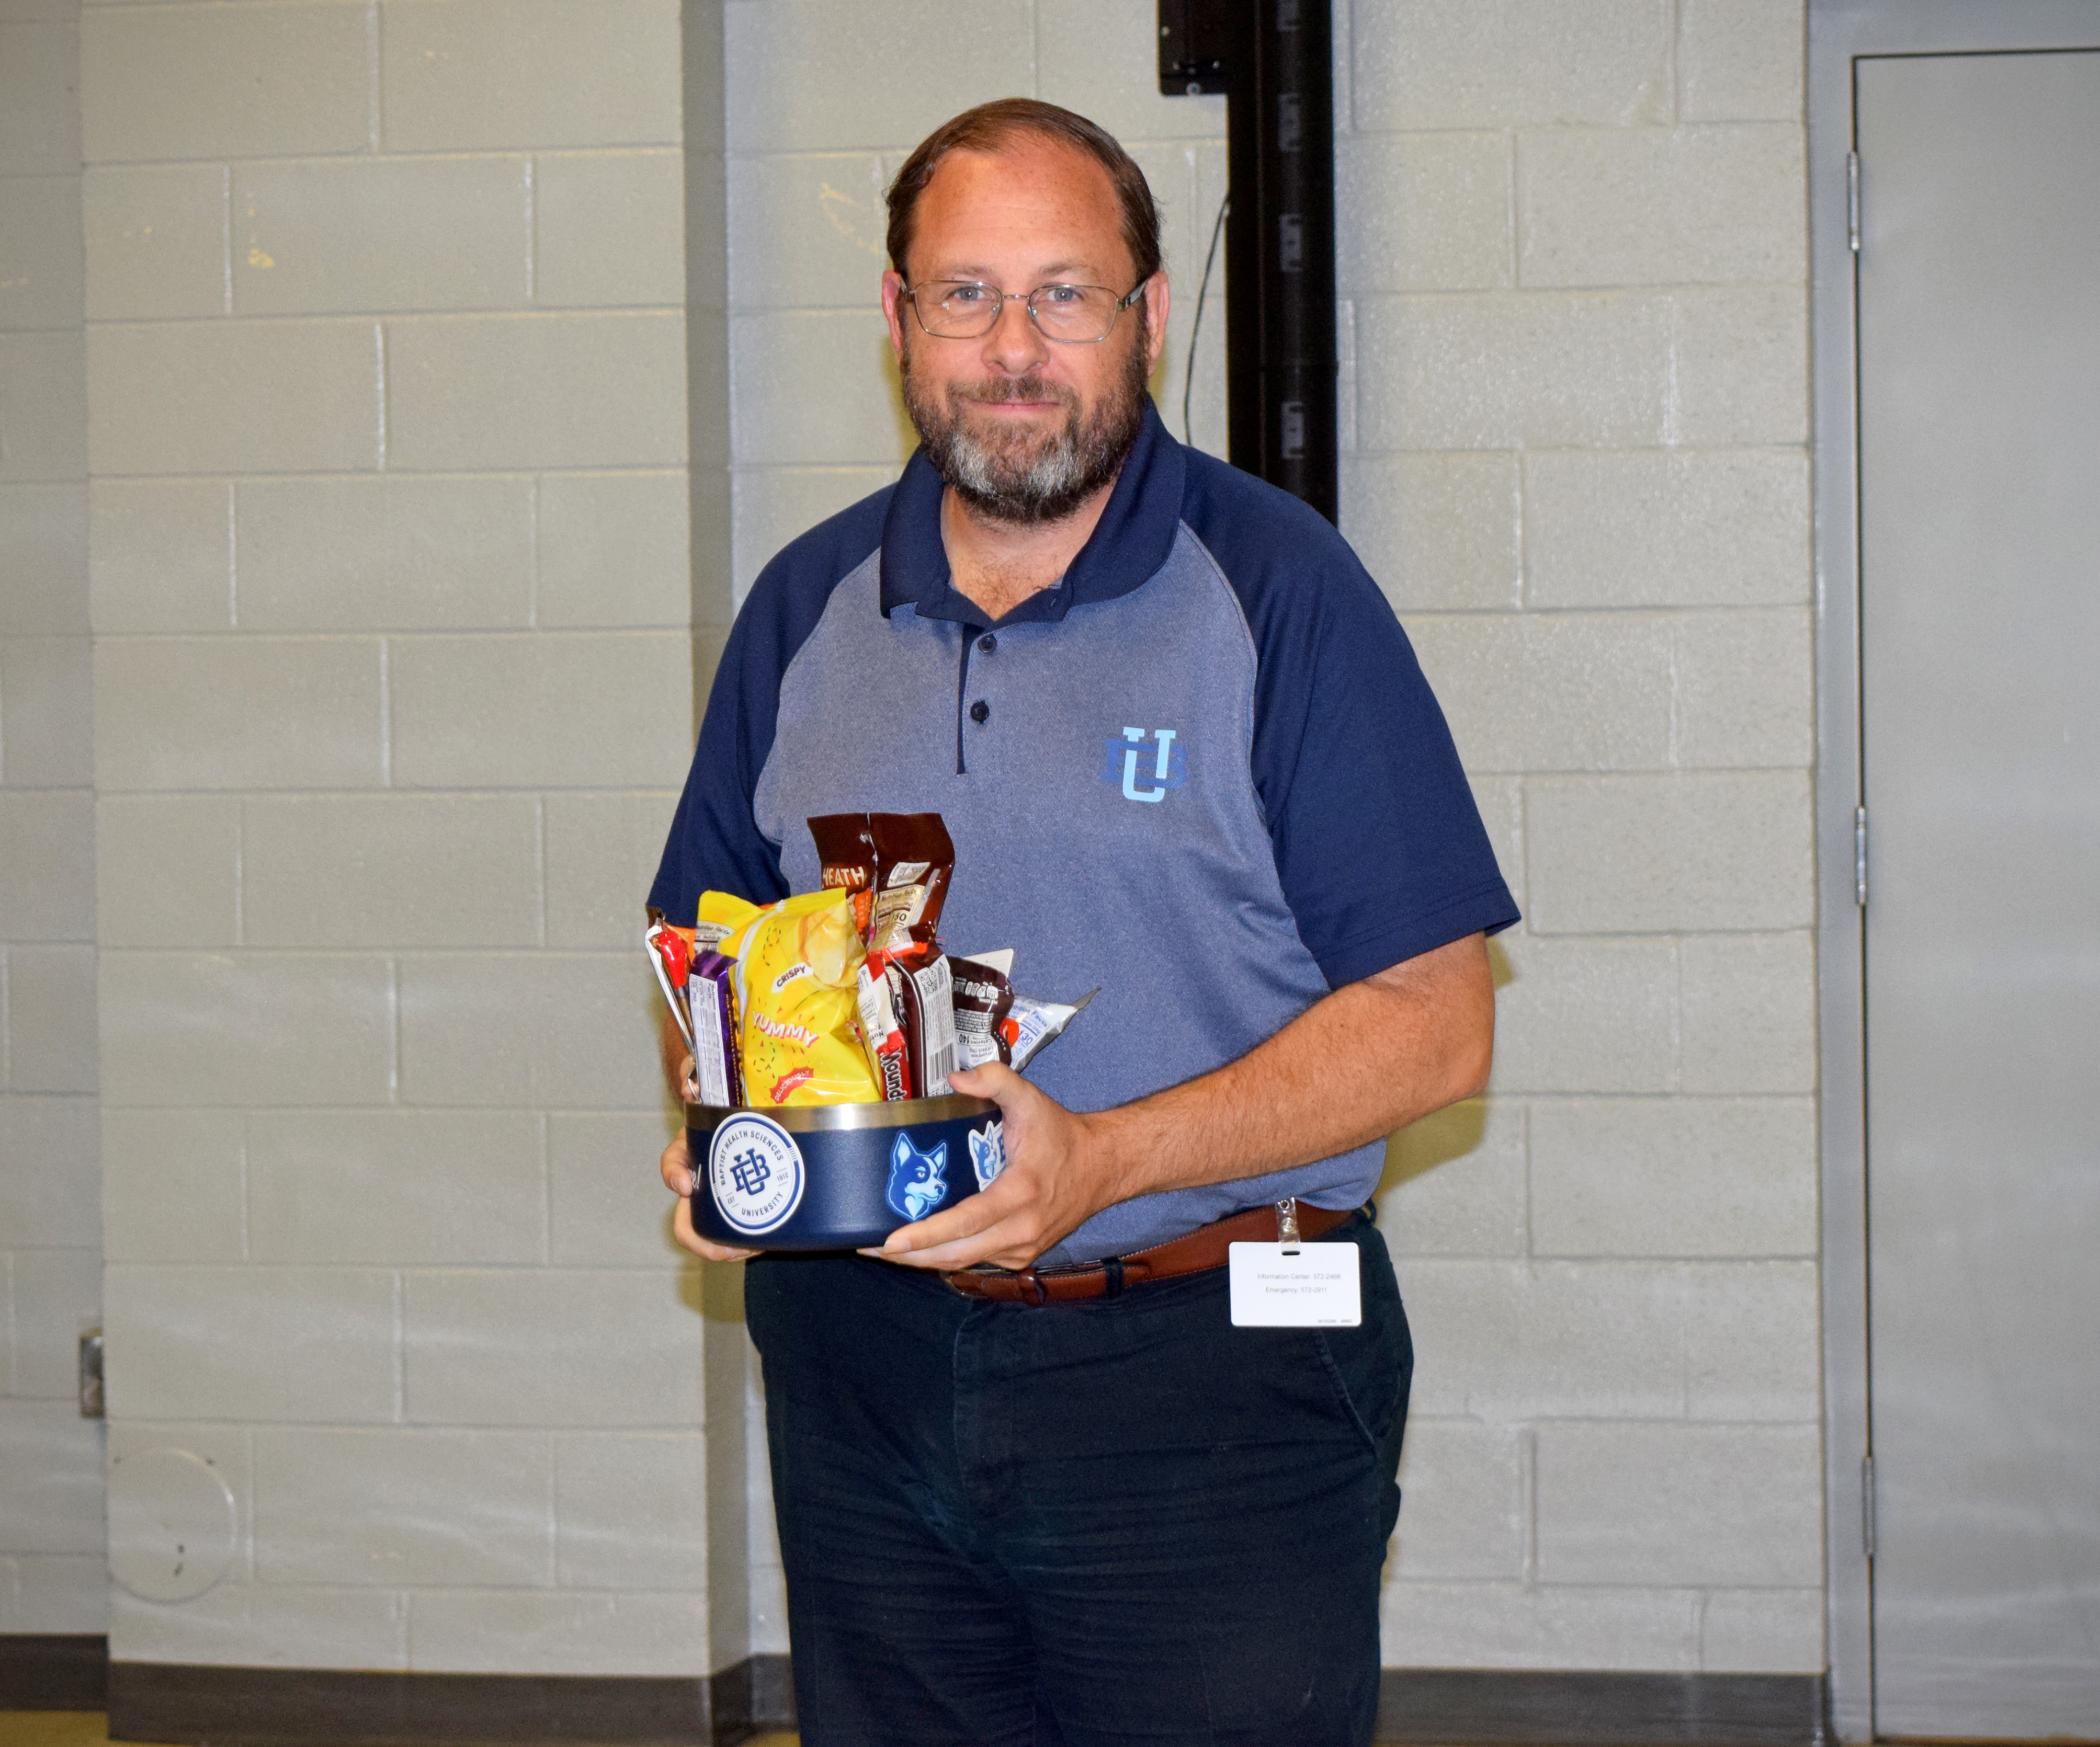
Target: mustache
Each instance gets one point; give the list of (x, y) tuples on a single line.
[(1014, 391)]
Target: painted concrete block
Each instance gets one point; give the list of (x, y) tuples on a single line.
[(43, 553), (247, 1028), (59, 1592), (610, 1207), (241, 1625), (46, 716), (1503, 370), (1745, 689), (1585, 1016), (569, 1346), (485, 75), (1497, 1625), (806, 83), (601, 855), (161, 555), (1715, 528), (774, 504), (173, 1186), (1635, 854), (523, 1631), (395, 1187), (50, 1171), (1463, 1509), (50, 1040), (50, 1478), (367, 234), (57, 1299), (1757, 1631), (613, 551), (816, 388), (1749, 1013), (569, 709), (207, 81), (1102, 58), (1425, 212), (1457, 64), (1753, 1347), (296, 1344), (44, 411), (810, 230), (1441, 533), (1541, 692), (156, 238), (1662, 206), (574, 1031), (1454, 1182), (1675, 1176), (1742, 366), (391, 553), (533, 391), (1735, 1505), (46, 862), (1740, 60), (629, 1511), (329, 1507), (609, 229), (166, 870), (39, 97), (237, 713), (40, 252), (234, 397), (456, 870)]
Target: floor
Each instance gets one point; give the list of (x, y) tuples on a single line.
[(90, 1728)]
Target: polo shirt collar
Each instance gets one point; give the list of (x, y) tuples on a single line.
[(1128, 546)]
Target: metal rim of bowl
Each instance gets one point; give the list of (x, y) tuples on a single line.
[(826, 1119)]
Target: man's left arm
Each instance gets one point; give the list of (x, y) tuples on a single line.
[(1369, 1058)]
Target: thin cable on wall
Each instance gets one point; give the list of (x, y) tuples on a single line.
[(1196, 327)]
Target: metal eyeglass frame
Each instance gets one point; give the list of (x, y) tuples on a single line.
[(1026, 300)]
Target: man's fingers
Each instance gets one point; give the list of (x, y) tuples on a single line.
[(687, 1239), (677, 1166)]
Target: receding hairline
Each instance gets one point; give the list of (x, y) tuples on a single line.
[(1015, 145)]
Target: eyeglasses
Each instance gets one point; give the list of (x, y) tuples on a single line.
[(951, 309)]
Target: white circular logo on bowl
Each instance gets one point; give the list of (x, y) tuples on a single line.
[(755, 1169)]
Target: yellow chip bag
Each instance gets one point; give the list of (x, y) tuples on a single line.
[(797, 997)]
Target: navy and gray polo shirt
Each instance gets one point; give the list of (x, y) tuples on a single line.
[(1203, 774)]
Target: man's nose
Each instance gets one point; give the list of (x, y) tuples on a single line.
[(1015, 343)]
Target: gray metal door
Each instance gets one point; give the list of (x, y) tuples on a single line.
[(1979, 519)]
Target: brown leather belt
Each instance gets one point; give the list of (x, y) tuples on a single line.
[(1207, 1247)]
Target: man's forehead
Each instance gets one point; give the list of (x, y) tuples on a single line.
[(1035, 203)]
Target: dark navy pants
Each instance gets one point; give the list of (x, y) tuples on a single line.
[(1119, 1521)]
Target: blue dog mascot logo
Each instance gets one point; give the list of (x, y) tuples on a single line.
[(917, 1180), (987, 1153)]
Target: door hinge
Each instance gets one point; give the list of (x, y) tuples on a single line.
[(1852, 199), (1867, 1506), (1859, 856)]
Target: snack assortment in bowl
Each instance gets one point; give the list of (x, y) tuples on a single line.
[(843, 995)]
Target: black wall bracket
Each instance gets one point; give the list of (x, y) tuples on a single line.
[(1273, 60)]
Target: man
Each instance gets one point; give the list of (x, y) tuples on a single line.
[(1186, 757)]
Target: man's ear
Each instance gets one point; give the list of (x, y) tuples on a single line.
[(1156, 303), (892, 311)]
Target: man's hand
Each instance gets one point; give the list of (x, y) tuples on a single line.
[(1054, 1180), (677, 1168)]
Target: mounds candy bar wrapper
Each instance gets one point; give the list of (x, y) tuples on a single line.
[(883, 1032), (845, 852), (796, 984), (913, 862), (1033, 1024), (983, 999)]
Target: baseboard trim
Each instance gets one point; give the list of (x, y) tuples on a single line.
[(310, 1707), (1514, 1708), (52, 1670), (295, 1707)]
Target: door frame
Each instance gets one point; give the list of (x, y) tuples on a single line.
[(1839, 33)]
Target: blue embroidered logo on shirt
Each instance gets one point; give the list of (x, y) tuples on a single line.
[(1145, 772)]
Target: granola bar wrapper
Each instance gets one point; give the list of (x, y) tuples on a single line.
[(711, 998), (797, 990), (914, 860)]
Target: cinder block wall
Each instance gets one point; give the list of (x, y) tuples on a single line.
[(1575, 412), (387, 440), (1574, 248), (51, 1459)]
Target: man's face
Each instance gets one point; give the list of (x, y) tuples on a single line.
[(1025, 429)]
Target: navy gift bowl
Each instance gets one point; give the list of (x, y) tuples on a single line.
[(830, 1176)]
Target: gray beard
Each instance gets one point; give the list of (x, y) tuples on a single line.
[(1028, 478)]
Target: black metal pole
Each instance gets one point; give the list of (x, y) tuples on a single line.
[(1280, 343)]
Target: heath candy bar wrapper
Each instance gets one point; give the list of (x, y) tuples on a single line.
[(845, 854)]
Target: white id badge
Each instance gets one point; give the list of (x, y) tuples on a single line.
[(1302, 1286)]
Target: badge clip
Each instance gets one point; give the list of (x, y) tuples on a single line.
[(1286, 1225)]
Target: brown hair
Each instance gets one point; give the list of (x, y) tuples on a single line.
[(989, 128)]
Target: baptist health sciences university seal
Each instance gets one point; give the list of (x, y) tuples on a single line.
[(755, 1171)]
